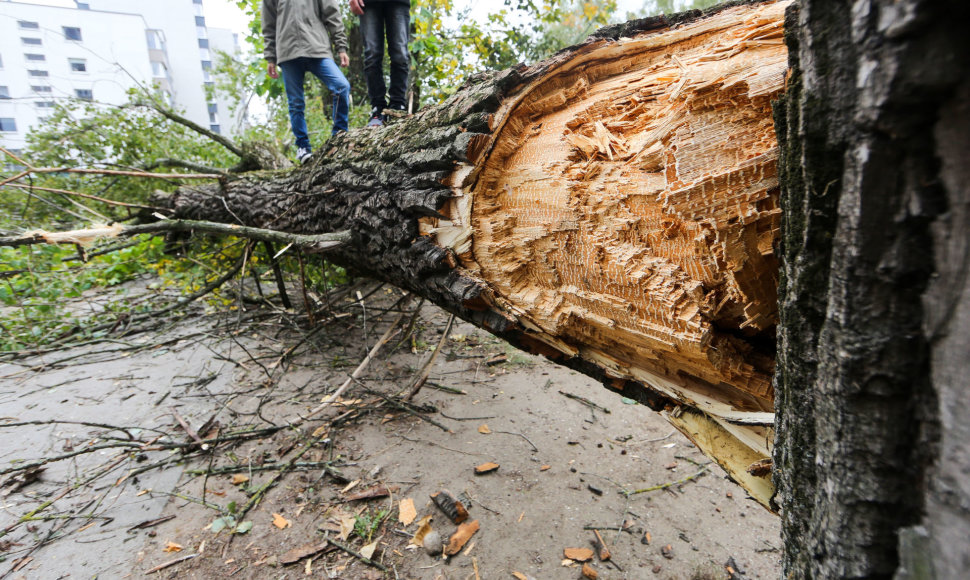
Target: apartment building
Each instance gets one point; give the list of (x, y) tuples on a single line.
[(97, 50)]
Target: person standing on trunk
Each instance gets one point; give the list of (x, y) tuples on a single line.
[(377, 19), (298, 35)]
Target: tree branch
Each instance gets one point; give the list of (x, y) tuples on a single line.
[(176, 118), (310, 243)]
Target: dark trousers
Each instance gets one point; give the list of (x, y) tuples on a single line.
[(394, 18)]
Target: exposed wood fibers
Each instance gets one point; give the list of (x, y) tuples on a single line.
[(629, 203)]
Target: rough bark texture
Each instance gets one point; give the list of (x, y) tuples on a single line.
[(614, 208), (871, 454)]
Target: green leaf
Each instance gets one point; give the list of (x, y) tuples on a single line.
[(243, 528)]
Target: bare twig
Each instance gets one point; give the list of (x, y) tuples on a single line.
[(358, 555), (171, 563), (422, 375), (584, 401), (693, 476)]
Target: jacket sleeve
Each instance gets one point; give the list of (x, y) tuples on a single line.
[(330, 15), (269, 30)]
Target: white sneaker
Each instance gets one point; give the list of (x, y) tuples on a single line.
[(303, 155)]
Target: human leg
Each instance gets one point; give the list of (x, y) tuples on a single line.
[(397, 22), (372, 33), (329, 73), (293, 71)]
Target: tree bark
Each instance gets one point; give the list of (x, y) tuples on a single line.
[(871, 449), (613, 208)]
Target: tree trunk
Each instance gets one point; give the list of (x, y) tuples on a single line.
[(614, 208), (871, 449)]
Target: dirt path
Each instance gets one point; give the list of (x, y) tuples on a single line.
[(564, 462)]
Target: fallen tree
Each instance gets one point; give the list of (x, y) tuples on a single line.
[(613, 208), (617, 209)]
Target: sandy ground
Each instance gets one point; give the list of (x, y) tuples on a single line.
[(564, 462)]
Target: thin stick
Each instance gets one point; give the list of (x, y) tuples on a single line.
[(402, 407), (391, 331), (171, 563), (534, 448), (426, 369), (584, 401), (359, 556), (699, 473)]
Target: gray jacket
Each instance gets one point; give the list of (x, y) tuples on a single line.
[(295, 28)]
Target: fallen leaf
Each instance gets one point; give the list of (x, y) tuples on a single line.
[(406, 512), (424, 526), (368, 550), (589, 572), (578, 554), (320, 431), (239, 478), (173, 547), (281, 522), (486, 468), (297, 554), (346, 526), (484, 430), (461, 537), (243, 528)]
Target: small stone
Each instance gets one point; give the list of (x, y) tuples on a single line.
[(657, 569), (668, 552), (432, 543)]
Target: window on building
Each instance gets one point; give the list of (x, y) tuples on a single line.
[(200, 20), (31, 41), (38, 73), (155, 39), (35, 57), (83, 6), (8, 124), (78, 64), (41, 89), (159, 70), (214, 118), (206, 65), (44, 104), (4, 92), (27, 25), (215, 128), (197, 2), (213, 107), (200, 32), (84, 94), (203, 43), (72, 33)]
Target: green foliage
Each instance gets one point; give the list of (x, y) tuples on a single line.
[(41, 290), (368, 522)]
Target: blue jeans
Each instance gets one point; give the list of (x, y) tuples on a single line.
[(329, 74), (394, 18)]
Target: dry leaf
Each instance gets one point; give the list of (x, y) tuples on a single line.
[(320, 431), (280, 522), (172, 547), (589, 572), (484, 430), (424, 526), (486, 468), (578, 554), (461, 537), (239, 478), (406, 512), (368, 550), (346, 526)]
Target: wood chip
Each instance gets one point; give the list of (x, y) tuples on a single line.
[(461, 537), (545, 468), (484, 430), (173, 547), (424, 528), (604, 552), (280, 522), (296, 554), (406, 511), (372, 493), (239, 478), (451, 507), (588, 572), (578, 554), (486, 468)]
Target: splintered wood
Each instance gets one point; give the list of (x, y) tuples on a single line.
[(627, 209)]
